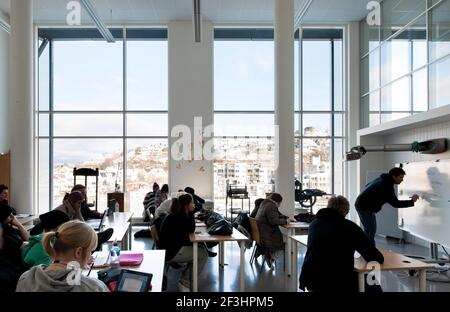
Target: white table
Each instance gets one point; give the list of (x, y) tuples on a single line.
[(200, 236), (292, 228)]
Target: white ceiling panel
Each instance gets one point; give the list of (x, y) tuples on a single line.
[(218, 11)]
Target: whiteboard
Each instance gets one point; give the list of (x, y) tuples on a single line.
[(429, 219)]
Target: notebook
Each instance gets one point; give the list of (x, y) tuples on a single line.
[(101, 259), (131, 259), (97, 224)]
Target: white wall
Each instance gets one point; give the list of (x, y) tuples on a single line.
[(429, 125), (4, 95), (190, 95)]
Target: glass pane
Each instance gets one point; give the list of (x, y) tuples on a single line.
[(43, 174), (317, 164), (419, 53), (338, 86), (316, 75), (247, 162), (147, 124), (88, 75), (296, 75), (244, 125), (396, 96), (43, 125), (338, 166), (147, 75), (105, 154), (44, 79), (297, 153), (395, 60), (370, 72), (364, 112), (338, 125), (88, 124), (147, 162), (297, 132), (420, 91), (393, 116), (369, 36), (439, 83), (397, 13), (243, 75), (317, 124), (374, 119), (374, 100), (440, 31)]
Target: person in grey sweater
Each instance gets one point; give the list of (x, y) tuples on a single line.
[(70, 248)]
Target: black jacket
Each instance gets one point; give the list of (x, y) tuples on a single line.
[(329, 259), (378, 192), (87, 213), (174, 233)]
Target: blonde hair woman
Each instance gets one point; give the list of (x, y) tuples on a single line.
[(70, 248)]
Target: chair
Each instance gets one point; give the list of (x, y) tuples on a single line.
[(87, 172), (257, 238)]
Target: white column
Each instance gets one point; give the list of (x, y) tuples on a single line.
[(284, 102), (21, 105), (191, 95), (4, 82), (352, 60)]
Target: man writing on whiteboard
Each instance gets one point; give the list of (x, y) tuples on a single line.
[(375, 195)]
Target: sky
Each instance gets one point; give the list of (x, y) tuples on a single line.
[(89, 77)]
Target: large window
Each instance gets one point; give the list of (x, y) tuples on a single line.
[(244, 117), (97, 100), (404, 61), (244, 111), (319, 131)]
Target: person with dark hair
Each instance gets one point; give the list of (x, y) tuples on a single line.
[(71, 205), (86, 212), (255, 210), (174, 238), (164, 194), (72, 208), (14, 236), (269, 219), (198, 201), (33, 253), (375, 195), (150, 202), (332, 242), (4, 193)]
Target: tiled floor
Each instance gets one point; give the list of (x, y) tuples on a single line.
[(214, 280)]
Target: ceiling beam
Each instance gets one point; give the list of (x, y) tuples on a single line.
[(197, 18), (97, 20)]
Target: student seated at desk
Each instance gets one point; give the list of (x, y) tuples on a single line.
[(332, 242), (269, 219), (86, 212), (4, 193), (72, 243), (34, 254), (174, 238), (15, 236), (71, 206)]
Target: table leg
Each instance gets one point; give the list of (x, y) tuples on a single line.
[(130, 240), (289, 253), (221, 254), (241, 269), (295, 265), (195, 268), (422, 280), (361, 282)]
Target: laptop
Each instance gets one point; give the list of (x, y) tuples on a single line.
[(97, 224)]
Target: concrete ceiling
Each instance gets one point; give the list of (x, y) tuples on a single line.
[(218, 11)]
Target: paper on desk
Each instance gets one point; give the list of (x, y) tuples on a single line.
[(22, 215)]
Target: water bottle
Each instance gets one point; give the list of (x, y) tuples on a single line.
[(115, 255)]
